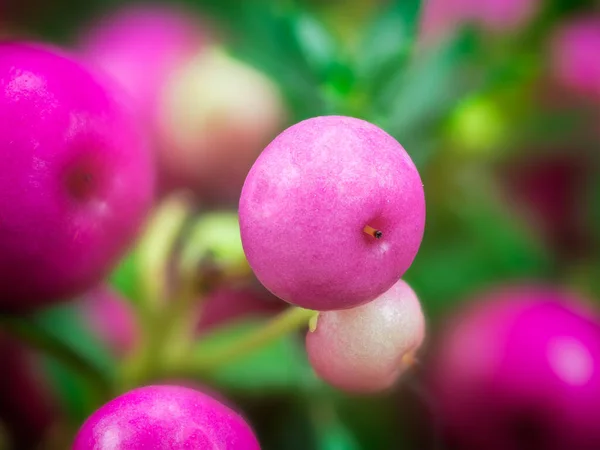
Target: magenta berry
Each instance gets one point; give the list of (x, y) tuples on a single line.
[(226, 305), (111, 318), (575, 59), (75, 176), (27, 406), (441, 17), (366, 349), (520, 368), (332, 213), (165, 417)]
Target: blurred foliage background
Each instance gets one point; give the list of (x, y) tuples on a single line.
[(508, 156)]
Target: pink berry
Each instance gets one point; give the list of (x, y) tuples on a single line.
[(217, 115), (27, 407), (332, 213), (111, 318), (141, 46), (165, 417), (441, 17), (520, 368), (575, 55), (75, 175), (227, 304), (366, 349)]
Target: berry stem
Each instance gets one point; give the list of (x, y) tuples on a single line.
[(377, 234), (155, 253), (286, 322), (155, 249), (27, 331)]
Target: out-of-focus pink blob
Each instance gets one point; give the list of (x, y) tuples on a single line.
[(549, 189), (141, 46), (26, 406), (228, 304), (575, 52), (520, 369), (111, 318), (441, 17)]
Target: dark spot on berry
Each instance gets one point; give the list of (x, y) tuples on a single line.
[(378, 234)]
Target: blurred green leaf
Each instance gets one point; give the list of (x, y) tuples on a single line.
[(125, 278), (64, 323), (388, 41), (489, 245), (317, 45), (371, 419), (281, 365), (331, 432), (430, 86), (266, 37)]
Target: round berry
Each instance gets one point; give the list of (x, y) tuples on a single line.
[(75, 175), (574, 52), (332, 213), (111, 318), (165, 417), (366, 349), (217, 115), (141, 46), (520, 368)]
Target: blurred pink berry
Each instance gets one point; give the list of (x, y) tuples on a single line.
[(111, 318), (75, 175), (26, 403), (332, 213), (226, 305), (217, 114), (366, 349), (441, 17), (576, 55), (141, 46), (548, 188), (165, 417), (520, 369)]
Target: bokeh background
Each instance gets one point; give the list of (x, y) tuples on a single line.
[(496, 101)]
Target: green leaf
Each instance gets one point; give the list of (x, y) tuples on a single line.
[(331, 432), (488, 245), (267, 38), (64, 323), (388, 41), (430, 86), (125, 278), (279, 366), (317, 45)]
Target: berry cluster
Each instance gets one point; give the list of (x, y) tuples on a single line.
[(331, 216)]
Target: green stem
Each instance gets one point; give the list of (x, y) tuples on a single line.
[(286, 322), (47, 343), (154, 253), (156, 246)]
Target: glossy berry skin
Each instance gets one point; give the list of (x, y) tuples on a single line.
[(307, 200), (165, 418), (366, 349), (75, 175), (575, 59), (520, 369)]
